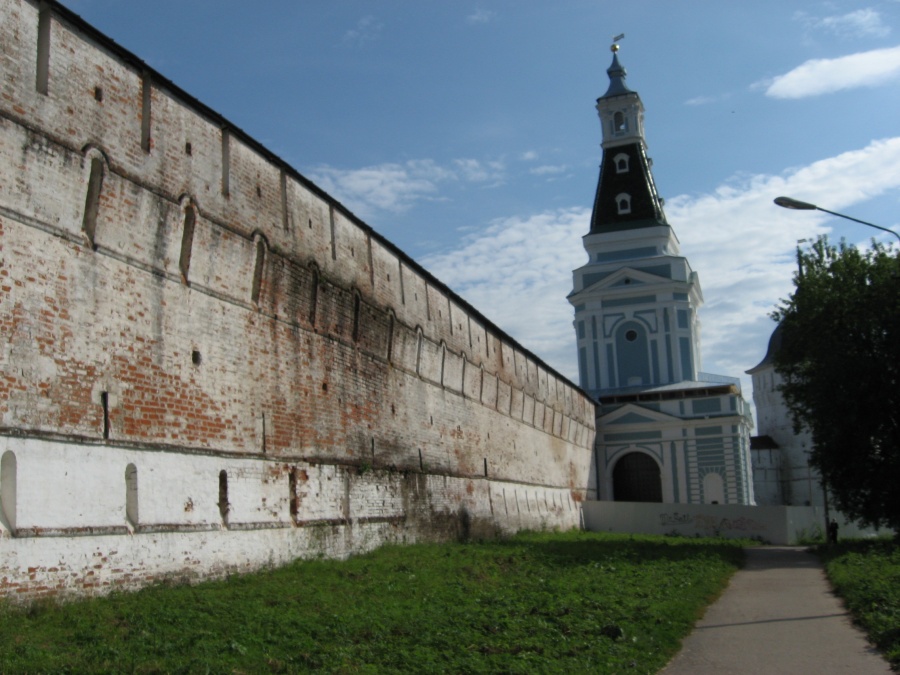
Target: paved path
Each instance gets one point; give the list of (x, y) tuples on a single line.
[(778, 615)]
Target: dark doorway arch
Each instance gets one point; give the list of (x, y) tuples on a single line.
[(636, 478)]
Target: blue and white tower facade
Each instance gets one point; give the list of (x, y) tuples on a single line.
[(666, 432)]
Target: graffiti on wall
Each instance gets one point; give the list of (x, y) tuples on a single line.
[(711, 525)]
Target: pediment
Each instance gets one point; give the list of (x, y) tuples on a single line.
[(625, 276), (632, 414), (630, 276)]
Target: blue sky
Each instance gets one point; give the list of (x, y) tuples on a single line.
[(465, 132)]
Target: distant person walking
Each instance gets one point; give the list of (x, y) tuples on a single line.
[(832, 531)]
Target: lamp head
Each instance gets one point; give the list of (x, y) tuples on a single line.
[(788, 203)]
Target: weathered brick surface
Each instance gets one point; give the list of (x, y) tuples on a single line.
[(180, 304)]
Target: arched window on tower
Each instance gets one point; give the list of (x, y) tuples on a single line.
[(623, 203), (621, 161), (632, 354), (620, 122)]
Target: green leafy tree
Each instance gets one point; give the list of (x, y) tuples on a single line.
[(840, 364)]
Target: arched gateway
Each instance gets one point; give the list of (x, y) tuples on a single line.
[(636, 478)]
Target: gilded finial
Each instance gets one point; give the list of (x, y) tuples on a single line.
[(615, 47)]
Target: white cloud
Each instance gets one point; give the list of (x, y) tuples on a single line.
[(387, 187), (701, 100), (396, 187), (518, 270), (823, 76), (547, 169), (861, 23), (528, 156), (481, 16), (367, 30), (477, 171)]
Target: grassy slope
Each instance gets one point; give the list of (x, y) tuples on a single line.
[(571, 602), (867, 575)]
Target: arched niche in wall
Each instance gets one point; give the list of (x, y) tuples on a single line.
[(8, 487), (131, 495), (95, 168), (713, 488), (188, 221), (313, 292), (261, 248), (224, 506)]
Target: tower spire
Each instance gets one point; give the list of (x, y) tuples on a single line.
[(616, 72), (626, 193)]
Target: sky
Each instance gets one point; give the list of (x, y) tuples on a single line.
[(465, 132)]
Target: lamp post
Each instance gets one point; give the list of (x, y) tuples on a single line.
[(788, 203)]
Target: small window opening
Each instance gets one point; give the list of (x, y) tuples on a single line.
[(226, 163), (256, 286), (43, 51), (104, 402), (621, 161), (145, 112), (357, 307), (485, 468), (188, 149), (224, 506), (258, 191), (196, 358), (631, 335), (282, 188), (187, 243), (98, 94), (623, 203), (294, 498), (262, 422)]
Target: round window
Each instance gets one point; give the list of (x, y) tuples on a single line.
[(631, 335)]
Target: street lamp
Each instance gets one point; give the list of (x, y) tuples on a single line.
[(788, 203)]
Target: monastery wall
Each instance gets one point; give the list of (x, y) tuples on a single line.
[(209, 365)]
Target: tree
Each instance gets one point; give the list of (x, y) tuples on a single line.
[(840, 364)]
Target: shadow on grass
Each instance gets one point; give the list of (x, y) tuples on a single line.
[(580, 548)]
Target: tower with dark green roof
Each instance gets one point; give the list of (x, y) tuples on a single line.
[(636, 298), (665, 431)]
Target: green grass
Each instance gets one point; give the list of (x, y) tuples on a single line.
[(545, 603), (866, 574)]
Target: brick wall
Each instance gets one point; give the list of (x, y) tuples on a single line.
[(176, 303)]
